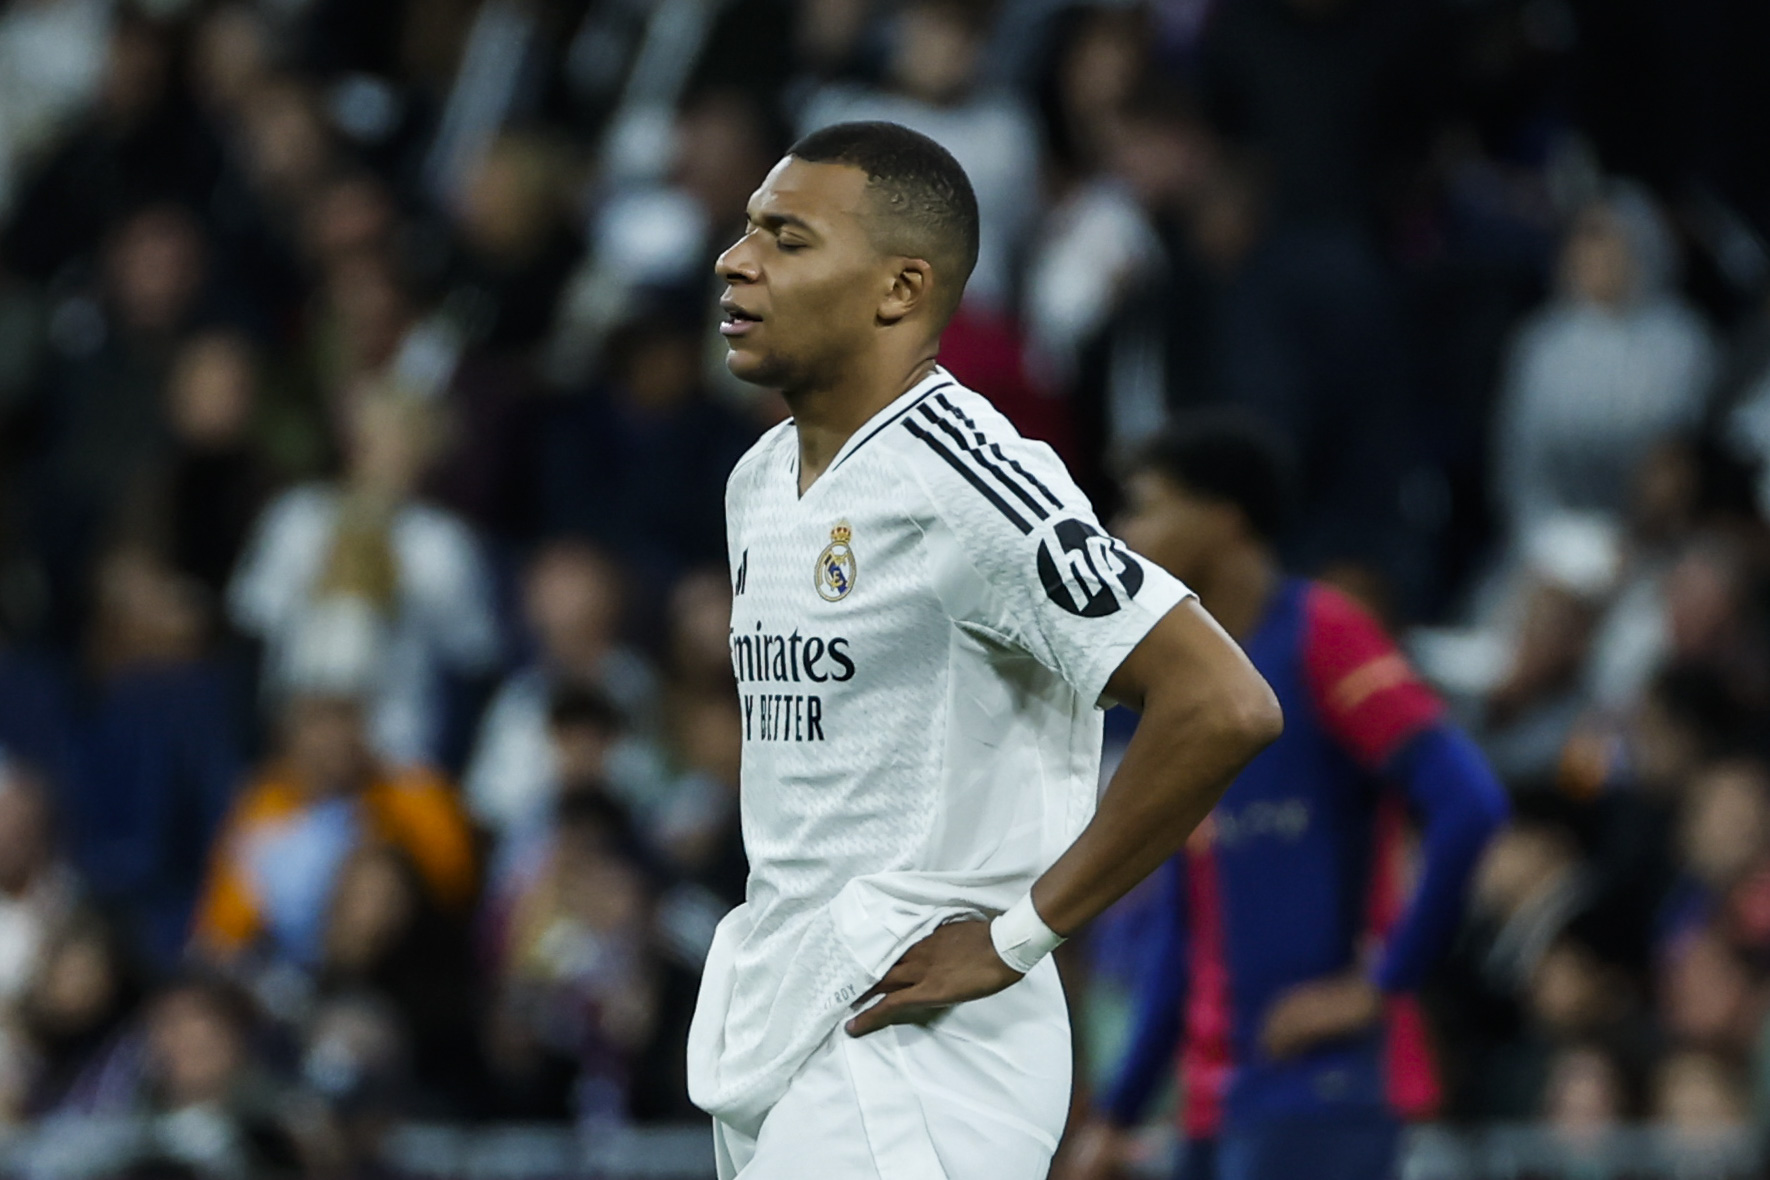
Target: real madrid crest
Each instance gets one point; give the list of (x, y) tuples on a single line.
[(835, 565)]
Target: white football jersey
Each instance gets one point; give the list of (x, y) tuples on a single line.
[(920, 643)]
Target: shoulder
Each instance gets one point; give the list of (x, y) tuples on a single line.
[(973, 464), (434, 541), (429, 520), (419, 781), (307, 507), (267, 799), (416, 790), (1363, 686), (1332, 608), (1341, 636)]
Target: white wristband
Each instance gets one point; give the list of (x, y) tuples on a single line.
[(1021, 936)]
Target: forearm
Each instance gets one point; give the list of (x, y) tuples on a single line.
[(1206, 713), (1176, 768)]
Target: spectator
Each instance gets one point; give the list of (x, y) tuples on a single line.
[(1572, 570), (1330, 92), (392, 1025), (230, 53), (155, 751), (574, 604), (1097, 58), (695, 833), (38, 893), (657, 235), (416, 572), (582, 728), (1706, 994), (363, 314), (103, 418), (1699, 1097), (695, 828), (576, 994), (38, 888), (1530, 889), (355, 1056), (1726, 830), (198, 501), (215, 1107), (84, 1051), (700, 633), (274, 878), (1598, 378), (638, 466), (933, 86), (1574, 995), (516, 251), (54, 61), (1121, 287), (136, 146), (353, 213), (699, 833), (1585, 1099)]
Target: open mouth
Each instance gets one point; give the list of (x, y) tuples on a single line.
[(735, 320)]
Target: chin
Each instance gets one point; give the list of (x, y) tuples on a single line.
[(755, 369)]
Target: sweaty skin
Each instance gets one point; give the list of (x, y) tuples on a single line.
[(816, 307)]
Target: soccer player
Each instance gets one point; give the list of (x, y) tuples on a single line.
[(925, 617), (1284, 956)]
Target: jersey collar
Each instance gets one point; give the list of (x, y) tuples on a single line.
[(935, 381)]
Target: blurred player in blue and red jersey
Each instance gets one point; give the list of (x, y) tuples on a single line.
[(1284, 952)]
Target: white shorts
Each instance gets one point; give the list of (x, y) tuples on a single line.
[(981, 1093)]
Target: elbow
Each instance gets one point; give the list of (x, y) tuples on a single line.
[(1252, 718)]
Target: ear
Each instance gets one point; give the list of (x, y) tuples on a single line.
[(912, 286)]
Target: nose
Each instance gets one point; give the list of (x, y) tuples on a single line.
[(738, 263)]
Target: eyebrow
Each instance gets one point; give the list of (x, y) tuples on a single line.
[(777, 220)]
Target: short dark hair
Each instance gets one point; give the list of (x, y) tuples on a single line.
[(1228, 456), (927, 205)]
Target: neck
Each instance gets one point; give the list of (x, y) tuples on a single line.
[(827, 416), (1238, 588)]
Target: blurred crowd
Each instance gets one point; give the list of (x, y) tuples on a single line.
[(367, 743)]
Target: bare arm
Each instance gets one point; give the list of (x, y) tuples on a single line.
[(1206, 713)]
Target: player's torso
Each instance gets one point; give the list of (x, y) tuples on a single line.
[(1292, 836), (840, 647), (1303, 869), (1290, 847)]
